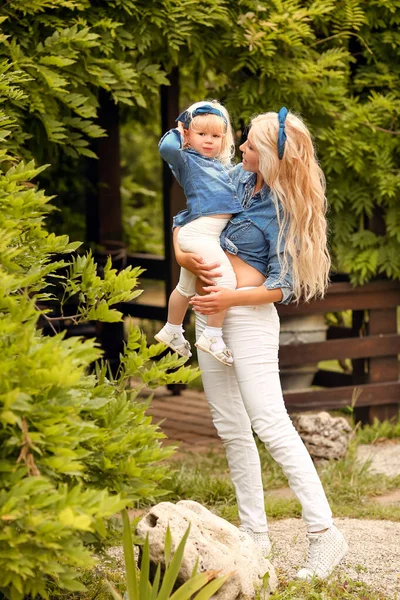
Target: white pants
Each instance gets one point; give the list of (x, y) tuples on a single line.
[(249, 396), (202, 237)]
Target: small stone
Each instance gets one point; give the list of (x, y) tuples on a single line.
[(324, 436), (217, 544)]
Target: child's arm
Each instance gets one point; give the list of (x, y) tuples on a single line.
[(170, 147)]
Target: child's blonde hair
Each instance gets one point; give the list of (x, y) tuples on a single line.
[(216, 123), (298, 187)]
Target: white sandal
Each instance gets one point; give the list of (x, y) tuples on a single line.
[(224, 356), (168, 339)]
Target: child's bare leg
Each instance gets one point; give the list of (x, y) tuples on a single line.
[(216, 320), (177, 307), (172, 333)]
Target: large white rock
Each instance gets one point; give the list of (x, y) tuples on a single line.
[(216, 543), (324, 436)]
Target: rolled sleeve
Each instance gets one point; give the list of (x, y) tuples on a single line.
[(170, 148), (275, 278)]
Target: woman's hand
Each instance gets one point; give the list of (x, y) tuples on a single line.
[(217, 299), (196, 265)]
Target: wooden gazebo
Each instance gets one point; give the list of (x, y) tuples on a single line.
[(372, 342)]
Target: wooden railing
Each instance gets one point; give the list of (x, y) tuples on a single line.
[(371, 343)]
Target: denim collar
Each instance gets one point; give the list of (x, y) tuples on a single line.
[(245, 176), (248, 178)]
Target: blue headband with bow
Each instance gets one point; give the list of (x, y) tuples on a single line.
[(282, 114), (205, 109)]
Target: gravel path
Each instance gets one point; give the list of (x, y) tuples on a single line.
[(373, 558), (384, 457)]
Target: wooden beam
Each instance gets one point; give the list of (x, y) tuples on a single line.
[(343, 296), (143, 311), (382, 368), (103, 201), (173, 196), (155, 265), (373, 394), (370, 346)]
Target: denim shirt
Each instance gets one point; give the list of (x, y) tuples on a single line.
[(206, 182), (253, 234)]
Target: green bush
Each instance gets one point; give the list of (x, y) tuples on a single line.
[(76, 445)]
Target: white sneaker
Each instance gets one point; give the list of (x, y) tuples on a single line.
[(261, 539), (171, 340), (206, 344), (325, 551)]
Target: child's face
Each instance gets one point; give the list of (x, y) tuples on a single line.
[(250, 155), (206, 141)]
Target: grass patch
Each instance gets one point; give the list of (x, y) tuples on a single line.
[(336, 587), (379, 431), (350, 486)]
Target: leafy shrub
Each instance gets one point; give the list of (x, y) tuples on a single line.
[(139, 586), (76, 445)]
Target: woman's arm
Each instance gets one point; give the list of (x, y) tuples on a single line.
[(195, 263), (219, 299)]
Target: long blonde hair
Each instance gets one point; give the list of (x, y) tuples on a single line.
[(216, 123), (298, 187)]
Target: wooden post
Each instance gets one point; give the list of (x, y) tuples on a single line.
[(103, 208), (382, 368), (173, 196), (359, 365), (103, 205)]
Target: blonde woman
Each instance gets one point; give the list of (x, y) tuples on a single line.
[(278, 249), (199, 152)]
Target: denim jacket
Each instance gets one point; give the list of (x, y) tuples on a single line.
[(205, 181), (253, 234)]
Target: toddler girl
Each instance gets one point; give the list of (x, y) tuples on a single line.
[(199, 152)]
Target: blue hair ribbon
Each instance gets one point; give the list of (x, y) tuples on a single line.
[(282, 114), (204, 109)]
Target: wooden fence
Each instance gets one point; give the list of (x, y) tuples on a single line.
[(372, 343)]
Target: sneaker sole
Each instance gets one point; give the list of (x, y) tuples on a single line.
[(171, 347), (213, 355), (337, 561)]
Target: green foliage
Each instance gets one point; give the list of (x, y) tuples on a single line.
[(139, 586), (67, 51), (336, 63), (141, 187), (76, 445), (379, 431)]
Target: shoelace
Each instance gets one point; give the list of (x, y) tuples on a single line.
[(313, 552)]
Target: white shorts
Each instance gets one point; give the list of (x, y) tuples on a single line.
[(202, 237)]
